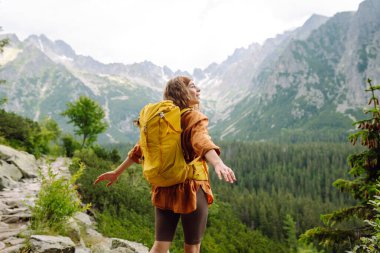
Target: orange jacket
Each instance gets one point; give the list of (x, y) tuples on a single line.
[(195, 140)]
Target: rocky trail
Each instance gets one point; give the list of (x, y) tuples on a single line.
[(19, 186)]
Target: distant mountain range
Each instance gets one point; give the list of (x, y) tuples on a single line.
[(305, 84)]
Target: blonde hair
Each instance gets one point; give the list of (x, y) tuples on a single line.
[(176, 90)]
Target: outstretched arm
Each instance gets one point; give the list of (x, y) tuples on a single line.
[(112, 176), (220, 168)]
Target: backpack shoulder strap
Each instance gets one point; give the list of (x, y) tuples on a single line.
[(185, 110)]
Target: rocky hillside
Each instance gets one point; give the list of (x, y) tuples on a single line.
[(305, 82), (313, 86), (42, 76), (19, 186)]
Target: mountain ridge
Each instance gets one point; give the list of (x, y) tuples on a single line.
[(295, 82)]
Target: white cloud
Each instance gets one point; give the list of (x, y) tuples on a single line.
[(181, 34)]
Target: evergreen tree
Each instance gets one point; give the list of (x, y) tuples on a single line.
[(365, 168), (291, 236), (278, 179), (371, 244), (87, 116)]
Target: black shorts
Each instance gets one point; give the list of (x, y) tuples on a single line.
[(193, 224)]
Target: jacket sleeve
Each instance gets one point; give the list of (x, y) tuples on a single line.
[(197, 141), (201, 141), (135, 153)]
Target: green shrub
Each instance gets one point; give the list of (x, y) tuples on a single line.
[(48, 137), (57, 201), (70, 145), (103, 153), (18, 131), (26, 134)]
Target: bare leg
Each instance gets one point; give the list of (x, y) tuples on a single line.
[(160, 247), (192, 248)]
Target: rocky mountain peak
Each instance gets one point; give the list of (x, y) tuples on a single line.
[(368, 15), (369, 7), (315, 20), (13, 39), (58, 47), (311, 24)]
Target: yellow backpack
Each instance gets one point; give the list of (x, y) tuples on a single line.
[(160, 141)]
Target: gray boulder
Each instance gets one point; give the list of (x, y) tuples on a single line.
[(51, 244), (24, 162), (9, 174), (9, 170)]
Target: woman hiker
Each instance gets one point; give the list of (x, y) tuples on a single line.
[(188, 200)]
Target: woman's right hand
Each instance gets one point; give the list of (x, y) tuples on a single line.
[(110, 176), (225, 172), (221, 169)]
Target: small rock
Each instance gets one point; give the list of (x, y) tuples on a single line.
[(93, 233), (100, 245), (82, 250), (16, 210), (8, 229), (134, 246), (83, 218), (3, 206), (74, 230), (13, 249), (15, 218), (3, 225), (10, 171), (122, 250), (6, 182), (14, 241), (5, 235), (12, 202)]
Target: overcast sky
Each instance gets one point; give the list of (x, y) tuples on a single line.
[(182, 34)]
